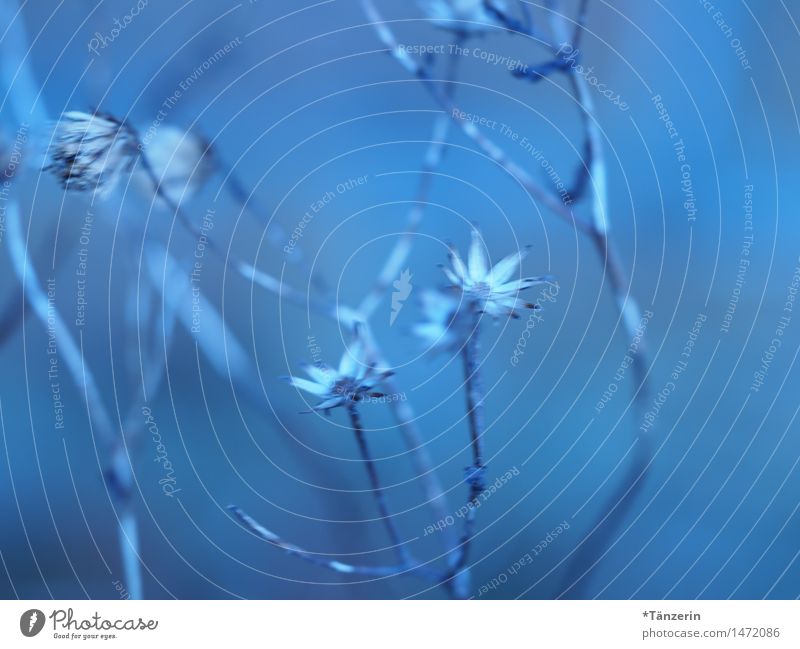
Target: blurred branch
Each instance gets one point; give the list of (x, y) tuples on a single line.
[(16, 72), (120, 476), (596, 228), (241, 268), (433, 157), (436, 500), (250, 204)]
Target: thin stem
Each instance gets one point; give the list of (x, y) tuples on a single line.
[(475, 474), (401, 411), (596, 227), (458, 585), (525, 26), (119, 476), (27, 105), (474, 392), (128, 532), (377, 491), (249, 203), (497, 154), (241, 268)]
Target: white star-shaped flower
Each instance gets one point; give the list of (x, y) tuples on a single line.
[(354, 379), (491, 290)]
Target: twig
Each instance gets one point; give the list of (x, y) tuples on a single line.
[(525, 27), (497, 154), (475, 473), (525, 10), (28, 106), (250, 204), (597, 226), (402, 412), (458, 585), (377, 491), (128, 532), (597, 166), (241, 268), (337, 566)]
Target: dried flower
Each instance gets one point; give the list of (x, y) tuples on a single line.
[(180, 160), (91, 151), (349, 384), (461, 15), (492, 290)]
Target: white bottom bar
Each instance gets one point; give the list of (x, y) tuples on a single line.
[(405, 625)]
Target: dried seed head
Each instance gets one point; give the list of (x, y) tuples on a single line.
[(91, 151), (180, 160)]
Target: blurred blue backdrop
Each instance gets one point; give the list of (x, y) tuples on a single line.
[(306, 99)]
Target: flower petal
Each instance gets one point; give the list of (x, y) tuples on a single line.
[(458, 267), (451, 276), (320, 373), (504, 269), (352, 364), (333, 402), (347, 364), (309, 386), (522, 284), (477, 259)]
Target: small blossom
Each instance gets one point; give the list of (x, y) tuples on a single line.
[(353, 381), (443, 327), (91, 151), (491, 290), (461, 15)]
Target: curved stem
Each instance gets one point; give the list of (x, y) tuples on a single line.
[(475, 473), (494, 152), (119, 477), (458, 586), (249, 204), (377, 491), (241, 268), (330, 564)]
